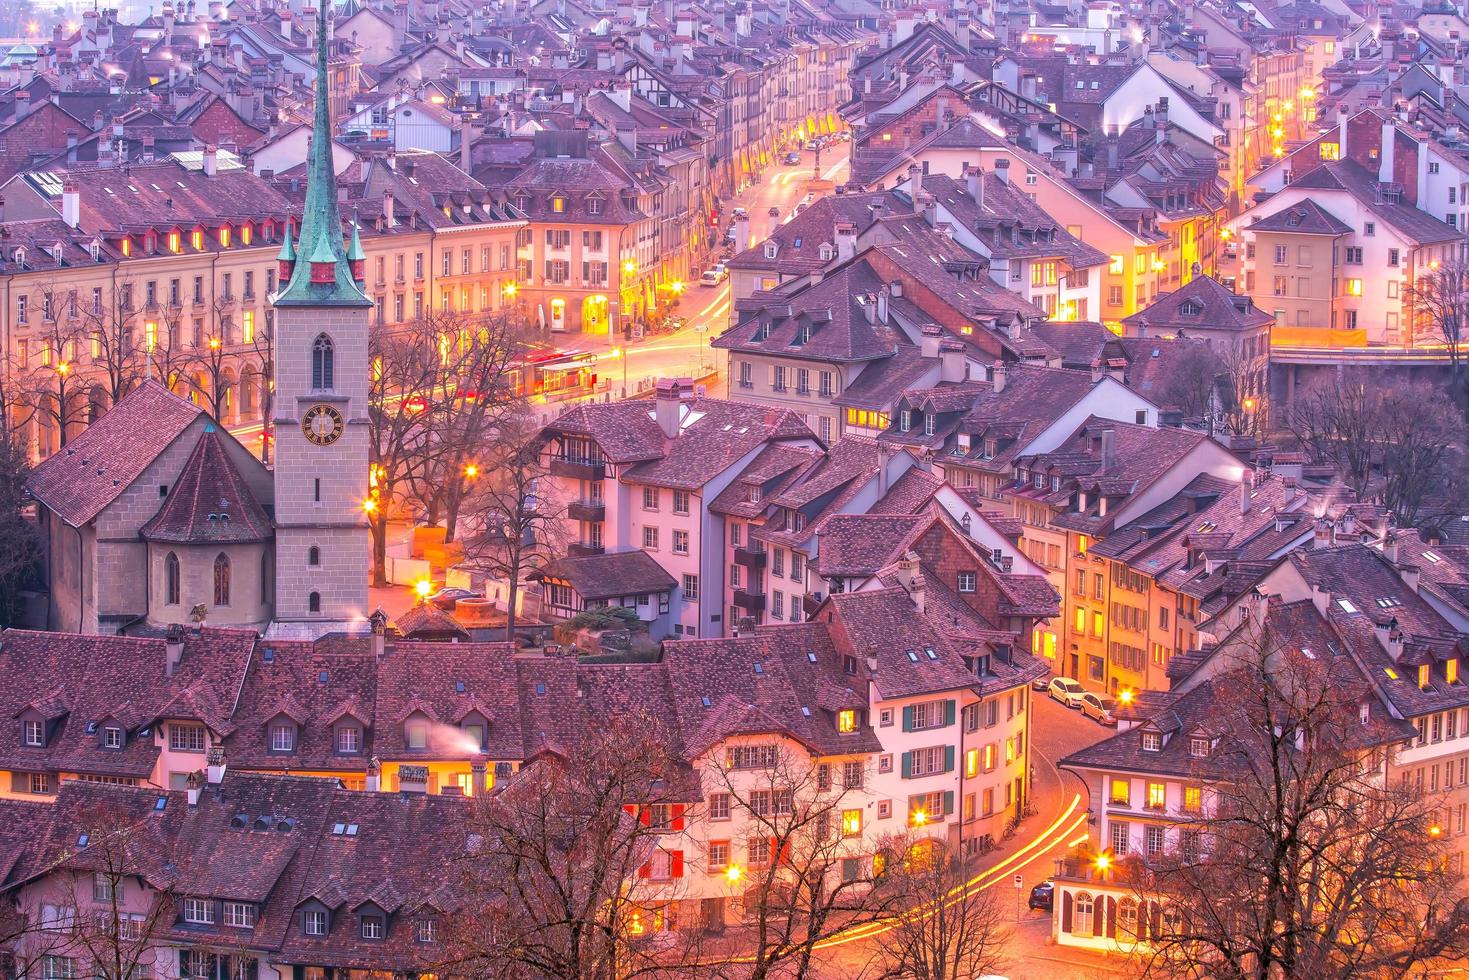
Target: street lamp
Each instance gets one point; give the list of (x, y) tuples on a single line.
[(733, 872), (617, 353), (1102, 863), (471, 471), (423, 587)]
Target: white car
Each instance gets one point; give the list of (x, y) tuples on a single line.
[(1068, 691), (714, 276)]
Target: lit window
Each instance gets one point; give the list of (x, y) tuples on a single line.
[(1354, 287), (1451, 670), (1121, 792), (1425, 676), (851, 823), (1157, 795), (846, 721), (1330, 151), (1114, 265), (1193, 798), (174, 244), (558, 204)]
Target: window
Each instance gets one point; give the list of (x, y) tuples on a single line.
[(416, 734), (718, 855), (1330, 151), (680, 542), (58, 968), (33, 732), (314, 922), (1157, 796), (966, 581), (650, 537), (222, 580), (846, 721), (105, 889), (372, 927), (112, 737), (691, 587), (313, 555), (680, 501), (1154, 838), (323, 357), (1369, 228), (186, 738), (425, 930), (650, 498), (239, 915), (927, 714), (1198, 746), (851, 823), (282, 737), (1280, 254), (313, 602), (349, 739), (1121, 792), (199, 911), (719, 806), (1121, 838), (1152, 742), (1193, 799), (753, 756)]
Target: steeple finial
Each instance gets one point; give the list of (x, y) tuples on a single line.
[(321, 275)]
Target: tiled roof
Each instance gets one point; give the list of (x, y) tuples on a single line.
[(909, 493), (103, 461), (1217, 309), (428, 621), (883, 381), (622, 573), (859, 545), (1008, 221), (886, 621), (209, 502), (1350, 177), (1303, 218)]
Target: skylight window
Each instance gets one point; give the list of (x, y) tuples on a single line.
[(913, 655), (1433, 556), (1346, 605), (1388, 601)]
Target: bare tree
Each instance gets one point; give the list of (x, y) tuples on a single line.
[(1390, 438), (109, 320), (554, 889), (517, 529), (1220, 384), (1305, 862), (806, 877), (1440, 303), (956, 929), (20, 558)]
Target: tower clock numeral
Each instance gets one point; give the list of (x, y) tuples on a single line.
[(322, 424)]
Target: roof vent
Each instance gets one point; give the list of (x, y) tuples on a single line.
[(459, 687), (285, 825), (268, 655), (759, 668), (261, 823)]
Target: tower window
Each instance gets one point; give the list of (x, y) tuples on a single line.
[(316, 490), (222, 580), (313, 602), (322, 363), (313, 556), (171, 579)]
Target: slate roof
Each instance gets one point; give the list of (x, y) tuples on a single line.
[(1303, 218), (608, 576), (101, 462), (1219, 309), (209, 503)]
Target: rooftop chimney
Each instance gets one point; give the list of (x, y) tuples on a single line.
[(71, 204), (1410, 575), (928, 344), (667, 405), (1002, 170), (374, 781), (1109, 448), (997, 376), (974, 181), (173, 647), (412, 779), (1246, 487), (846, 240), (214, 764), (390, 216), (951, 361), (211, 160), (195, 787), (882, 304)]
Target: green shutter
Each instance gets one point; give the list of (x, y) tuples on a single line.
[(948, 802), (949, 712), (948, 757), (907, 763), (908, 718)]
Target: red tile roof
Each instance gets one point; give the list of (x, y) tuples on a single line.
[(99, 464), (210, 501)]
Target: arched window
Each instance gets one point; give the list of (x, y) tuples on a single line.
[(313, 556), (171, 579), (1127, 919), (222, 580), (313, 602), (1081, 922), (322, 366)]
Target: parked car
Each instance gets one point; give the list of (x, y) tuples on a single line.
[(812, 145), (1043, 896), (446, 598), (738, 212), (1102, 707), (1041, 684), (792, 158), (713, 276), (1068, 691)]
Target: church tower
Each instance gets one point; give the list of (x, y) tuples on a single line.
[(321, 391)]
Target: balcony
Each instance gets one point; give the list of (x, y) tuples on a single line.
[(753, 560), (750, 602), (586, 510), (578, 549), (574, 468)]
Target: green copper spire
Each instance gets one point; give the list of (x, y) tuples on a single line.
[(354, 250), (288, 248), (322, 276)]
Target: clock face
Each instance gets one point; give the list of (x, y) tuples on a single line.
[(322, 424)]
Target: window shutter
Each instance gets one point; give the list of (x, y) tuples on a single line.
[(948, 802), (645, 816), (1111, 917), (1155, 919), (781, 851), (631, 809), (948, 758), (646, 871), (908, 718), (949, 712), (1065, 911), (907, 764), (677, 822), (675, 863)]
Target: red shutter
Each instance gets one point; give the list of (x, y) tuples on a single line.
[(646, 871), (677, 822), (1065, 911), (780, 853), (675, 864), (631, 809), (645, 816), (1155, 918), (1111, 917)]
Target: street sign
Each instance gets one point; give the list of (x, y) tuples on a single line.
[(1019, 881)]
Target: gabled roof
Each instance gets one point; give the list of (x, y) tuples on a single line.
[(102, 462), (209, 502), (1203, 303), (608, 576), (1303, 218)]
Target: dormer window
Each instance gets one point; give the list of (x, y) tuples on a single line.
[(1192, 308), (282, 736), (239, 915), (33, 733), (1152, 742), (558, 204), (928, 424), (199, 911), (752, 493), (846, 721), (373, 926), (771, 249), (803, 335), (474, 731), (1198, 746), (111, 737), (905, 420), (425, 930), (415, 733), (826, 253), (349, 740), (1425, 676), (314, 922)]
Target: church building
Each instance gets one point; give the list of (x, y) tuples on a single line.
[(156, 515)]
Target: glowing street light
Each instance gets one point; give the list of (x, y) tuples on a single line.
[(423, 587), (214, 343), (511, 289), (919, 818), (1102, 863), (63, 369), (617, 353), (733, 873), (369, 505), (676, 286), (630, 266), (1435, 830), (471, 471), (1125, 695)]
